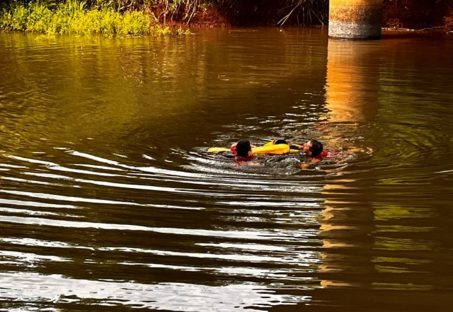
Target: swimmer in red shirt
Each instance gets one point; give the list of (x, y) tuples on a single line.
[(314, 150), (242, 151)]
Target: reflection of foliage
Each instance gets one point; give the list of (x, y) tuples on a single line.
[(393, 211), (66, 88)]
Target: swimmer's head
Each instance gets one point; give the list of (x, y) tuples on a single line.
[(313, 148), (243, 148)]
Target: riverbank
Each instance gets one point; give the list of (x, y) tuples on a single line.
[(133, 17), (405, 33)]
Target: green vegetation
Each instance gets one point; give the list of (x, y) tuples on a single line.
[(73, 17)]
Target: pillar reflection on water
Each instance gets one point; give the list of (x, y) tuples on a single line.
[(346, 221), (352, 81)]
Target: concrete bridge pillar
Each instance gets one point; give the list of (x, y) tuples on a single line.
[(355, 19)]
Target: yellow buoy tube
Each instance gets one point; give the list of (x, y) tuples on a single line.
[(271, 149), (267, 149)]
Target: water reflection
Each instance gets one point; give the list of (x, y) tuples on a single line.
[(363, 233), (352, 81), (185, 297), (352, 101), (123, 92)]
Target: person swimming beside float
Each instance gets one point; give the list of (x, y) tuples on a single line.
[(243, 151)]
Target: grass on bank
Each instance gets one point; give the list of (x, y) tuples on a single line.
[(72, 17)]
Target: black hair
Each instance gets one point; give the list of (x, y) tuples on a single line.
[(243, 148), (316, 148), (280, 141)]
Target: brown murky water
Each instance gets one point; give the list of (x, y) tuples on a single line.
[(109, 201)]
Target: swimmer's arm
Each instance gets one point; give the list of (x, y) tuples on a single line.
[(250, 163), (311, 164), (227, 155)]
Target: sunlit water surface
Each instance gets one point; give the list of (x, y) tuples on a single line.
[(110, 202)]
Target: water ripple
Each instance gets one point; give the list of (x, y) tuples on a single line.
[(24, 287)]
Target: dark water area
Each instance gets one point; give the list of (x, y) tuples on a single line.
[(110, 202)]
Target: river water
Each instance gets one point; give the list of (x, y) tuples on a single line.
[(109, 200)]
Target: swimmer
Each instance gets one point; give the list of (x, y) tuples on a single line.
[(314, 150), (243, 150)]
